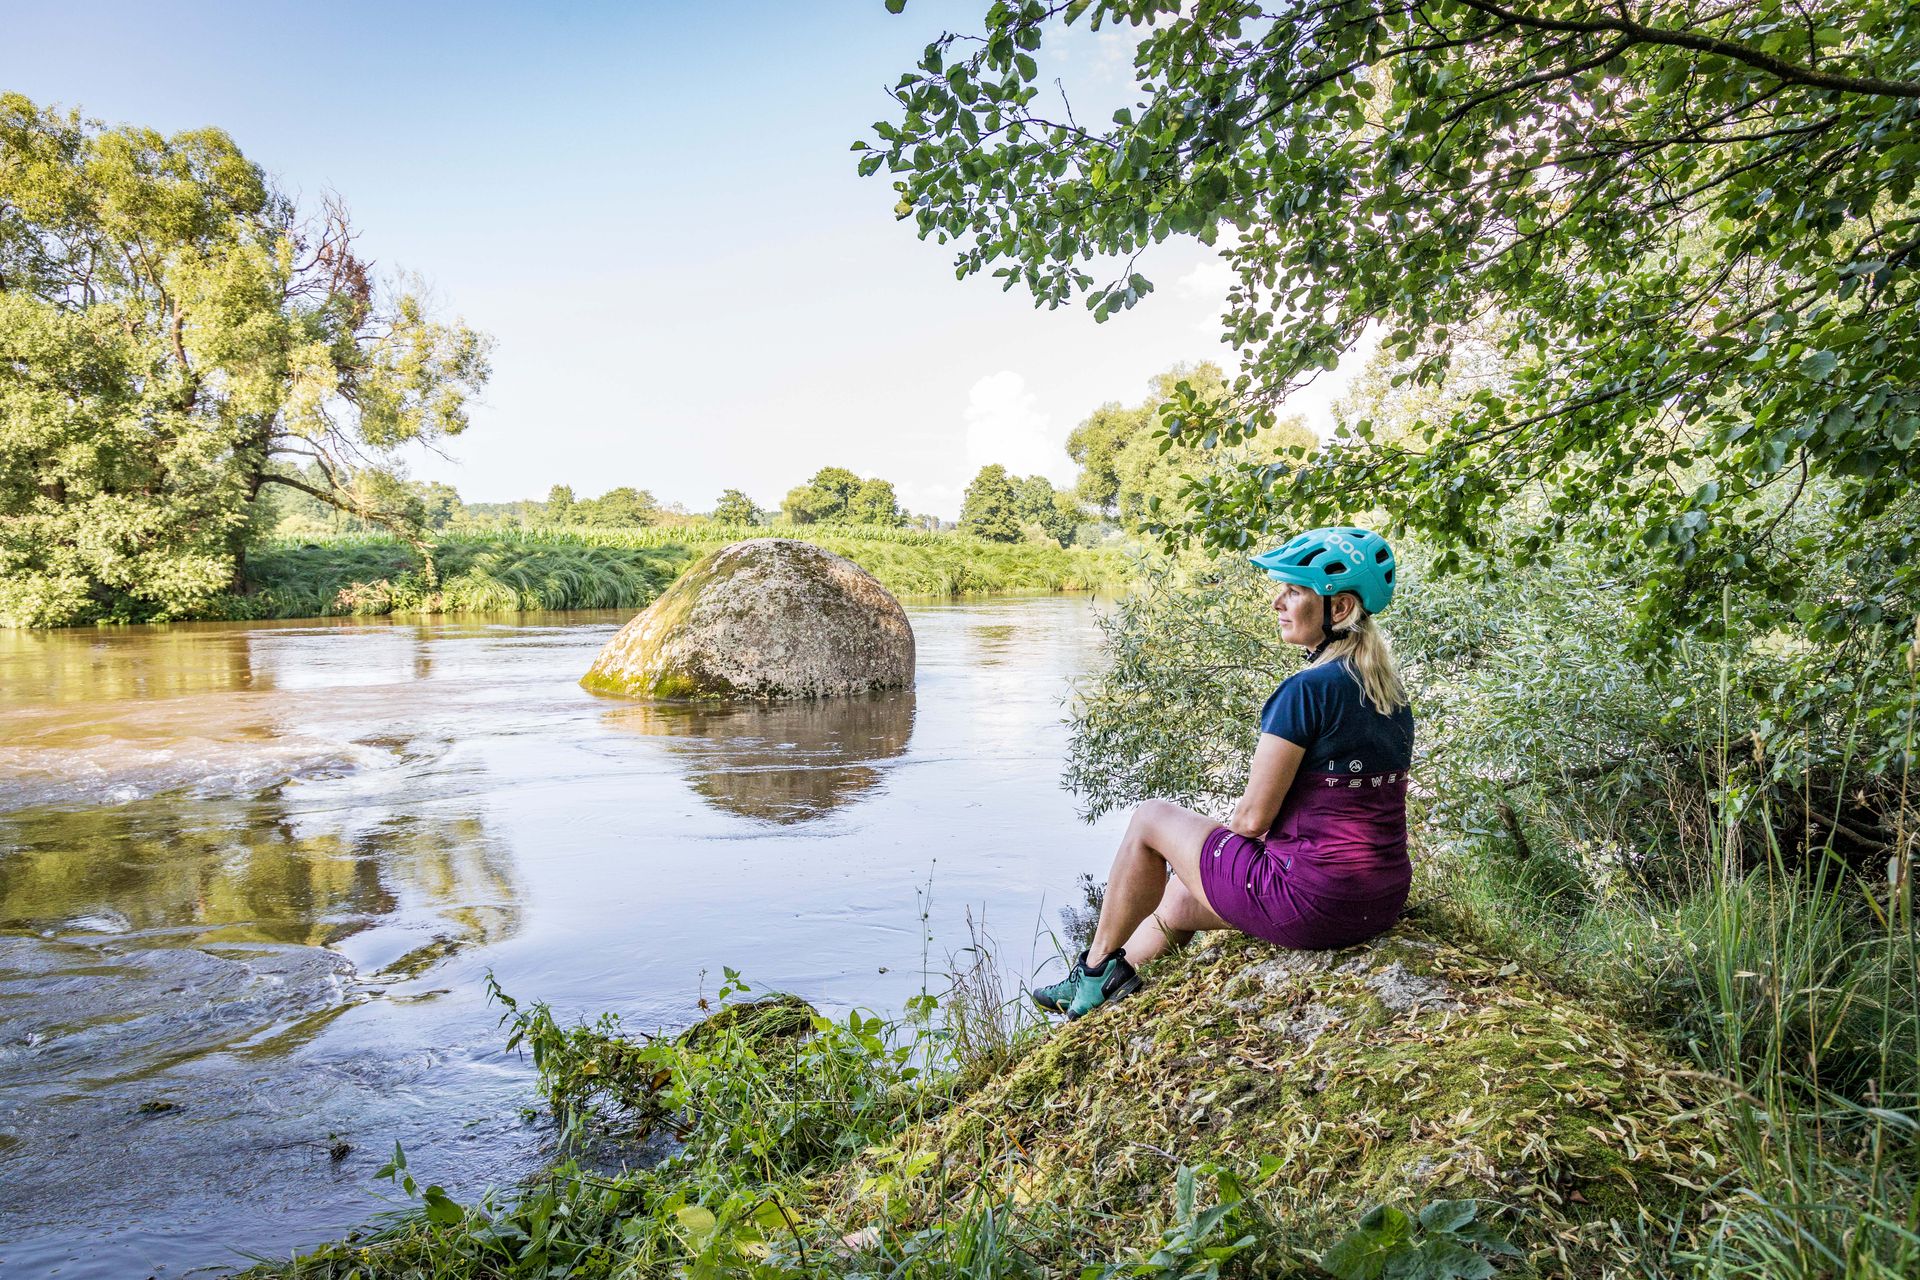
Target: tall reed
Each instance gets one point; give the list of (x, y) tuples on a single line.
[(1811, 996)]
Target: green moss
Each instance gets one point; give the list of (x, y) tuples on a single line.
[(1486, 1087)]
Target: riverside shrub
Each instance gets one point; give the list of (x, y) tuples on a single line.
[(175, 337), (1661, 832)]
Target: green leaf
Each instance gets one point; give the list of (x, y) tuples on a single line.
[(1441, 1258), (396, 1163), (442, 1210), (1383, 1234), (1447, 1215), (697, 1222)]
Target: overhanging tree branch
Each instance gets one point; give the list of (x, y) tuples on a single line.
[(1790, 72)]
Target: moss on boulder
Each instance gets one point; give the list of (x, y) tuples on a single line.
[(765, 618), (1403, 1071)]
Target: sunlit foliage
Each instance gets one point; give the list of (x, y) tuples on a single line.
[(175, 336)]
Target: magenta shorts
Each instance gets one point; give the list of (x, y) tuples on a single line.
[(1287, 895)]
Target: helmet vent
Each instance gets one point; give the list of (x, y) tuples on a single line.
[(1389, 575), (1336, 567), (1312, 555), (1381, 556)]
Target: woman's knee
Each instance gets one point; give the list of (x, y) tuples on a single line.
[(1180, 909), (1149, 814)]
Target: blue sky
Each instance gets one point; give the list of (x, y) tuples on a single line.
[(652, 207)]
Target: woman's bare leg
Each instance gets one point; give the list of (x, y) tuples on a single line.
[(1161, 835), (1173, 923)]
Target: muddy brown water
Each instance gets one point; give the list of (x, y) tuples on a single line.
[(252, 877)]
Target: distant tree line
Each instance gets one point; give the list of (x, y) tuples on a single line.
[(1130, 475)]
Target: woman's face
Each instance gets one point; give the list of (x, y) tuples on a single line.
[(1300, 611)]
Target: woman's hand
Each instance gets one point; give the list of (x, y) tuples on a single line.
[(1275, 762)]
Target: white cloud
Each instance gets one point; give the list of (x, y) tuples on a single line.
[(1210, 278), (1006, 425), (1115, 50)]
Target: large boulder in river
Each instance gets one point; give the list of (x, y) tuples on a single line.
[(766, 618)]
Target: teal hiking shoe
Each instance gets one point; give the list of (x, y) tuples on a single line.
[(1056, 996), (1113, 979)]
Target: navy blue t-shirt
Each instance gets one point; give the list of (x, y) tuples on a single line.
[(1323, 709)]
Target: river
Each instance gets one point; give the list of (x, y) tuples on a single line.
[(253, 876)]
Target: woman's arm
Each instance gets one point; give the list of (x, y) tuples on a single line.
[(1275, 761)]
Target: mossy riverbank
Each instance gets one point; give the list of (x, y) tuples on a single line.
[(1247, 1111), (619, 569), (1403, 1071)]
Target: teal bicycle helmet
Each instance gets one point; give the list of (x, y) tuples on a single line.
[(1333, 560)]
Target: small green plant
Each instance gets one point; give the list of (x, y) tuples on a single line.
[(987, 1025), (439, 1208), (1200, 1241), (587, 1071), (1446, 1242), (990, 1239)]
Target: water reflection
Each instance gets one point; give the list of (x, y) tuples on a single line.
[(783, 762), (994, 643), (242, 870), (111, 664), (137, 937)]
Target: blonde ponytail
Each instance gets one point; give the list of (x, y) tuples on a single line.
[(1361, 642)]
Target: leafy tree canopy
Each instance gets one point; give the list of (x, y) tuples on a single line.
[(837, 495), (1695, 223), (1132, 470), (560, 503), (174, 336), (990, 507), (824, 498), (735, 507), (624, 507), (1045, 513), (440, 504), (875, 502)]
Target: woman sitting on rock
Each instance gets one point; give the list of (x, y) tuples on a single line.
[(1315, 855)]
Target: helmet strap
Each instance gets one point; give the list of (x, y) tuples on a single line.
[(1327, 635)]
